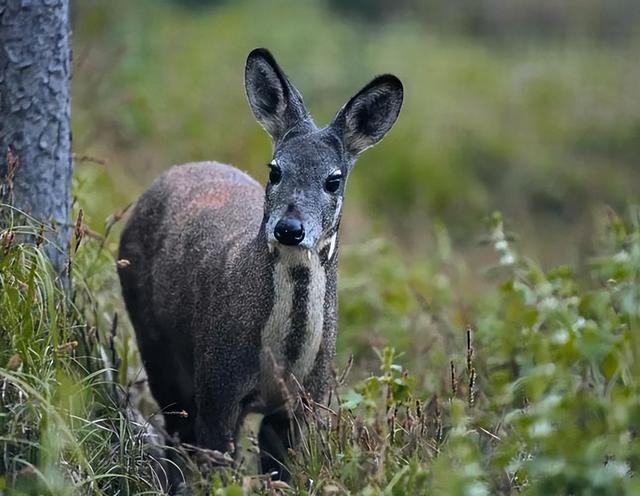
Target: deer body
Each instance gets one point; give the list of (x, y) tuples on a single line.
[(231, 289)]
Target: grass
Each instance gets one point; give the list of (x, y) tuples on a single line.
[(64, 424), (538, 394)]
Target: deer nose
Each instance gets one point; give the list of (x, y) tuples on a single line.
[(289, 231)]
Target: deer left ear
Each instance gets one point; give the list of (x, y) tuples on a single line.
[(276, 103), (370, 114)]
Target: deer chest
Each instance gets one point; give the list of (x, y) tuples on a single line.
[(293, 332)]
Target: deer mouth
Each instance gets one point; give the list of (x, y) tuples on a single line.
[(327, 244), (275, 248)]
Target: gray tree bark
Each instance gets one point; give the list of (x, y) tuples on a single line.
[(35, 113)]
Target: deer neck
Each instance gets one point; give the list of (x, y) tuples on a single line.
[(293, 332)]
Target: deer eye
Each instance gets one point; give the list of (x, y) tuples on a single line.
[(333, 182), (275, 173)]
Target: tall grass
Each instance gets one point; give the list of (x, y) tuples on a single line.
[(65, 426)]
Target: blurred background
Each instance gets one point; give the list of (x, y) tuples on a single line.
[(531, 108)]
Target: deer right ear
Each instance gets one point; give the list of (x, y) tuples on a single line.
[(370, 114), (276, 103)]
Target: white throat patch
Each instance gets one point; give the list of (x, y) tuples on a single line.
[(279, 324)]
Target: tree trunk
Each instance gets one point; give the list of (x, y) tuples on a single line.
[(35, 113)]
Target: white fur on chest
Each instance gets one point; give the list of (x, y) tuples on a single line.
[(273, 357)]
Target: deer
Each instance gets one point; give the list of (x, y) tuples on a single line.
[(231, 287)]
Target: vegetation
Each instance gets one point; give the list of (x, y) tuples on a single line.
[(538, 395), (464, 368), (541, 129), (63, 425)]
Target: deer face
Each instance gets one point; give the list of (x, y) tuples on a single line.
[(304, 195), (310, 166)]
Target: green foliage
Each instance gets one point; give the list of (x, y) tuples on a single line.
[(538, 395), (524, 381), (63, 426), (560, 361), (547, 401), (539, 130)]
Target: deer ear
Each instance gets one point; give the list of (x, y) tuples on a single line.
[(370, 114), (276, 103)]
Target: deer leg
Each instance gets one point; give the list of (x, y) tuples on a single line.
[(220, 398), (216, 425), (278, 433)]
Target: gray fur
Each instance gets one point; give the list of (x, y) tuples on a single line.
[(228, 320)]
